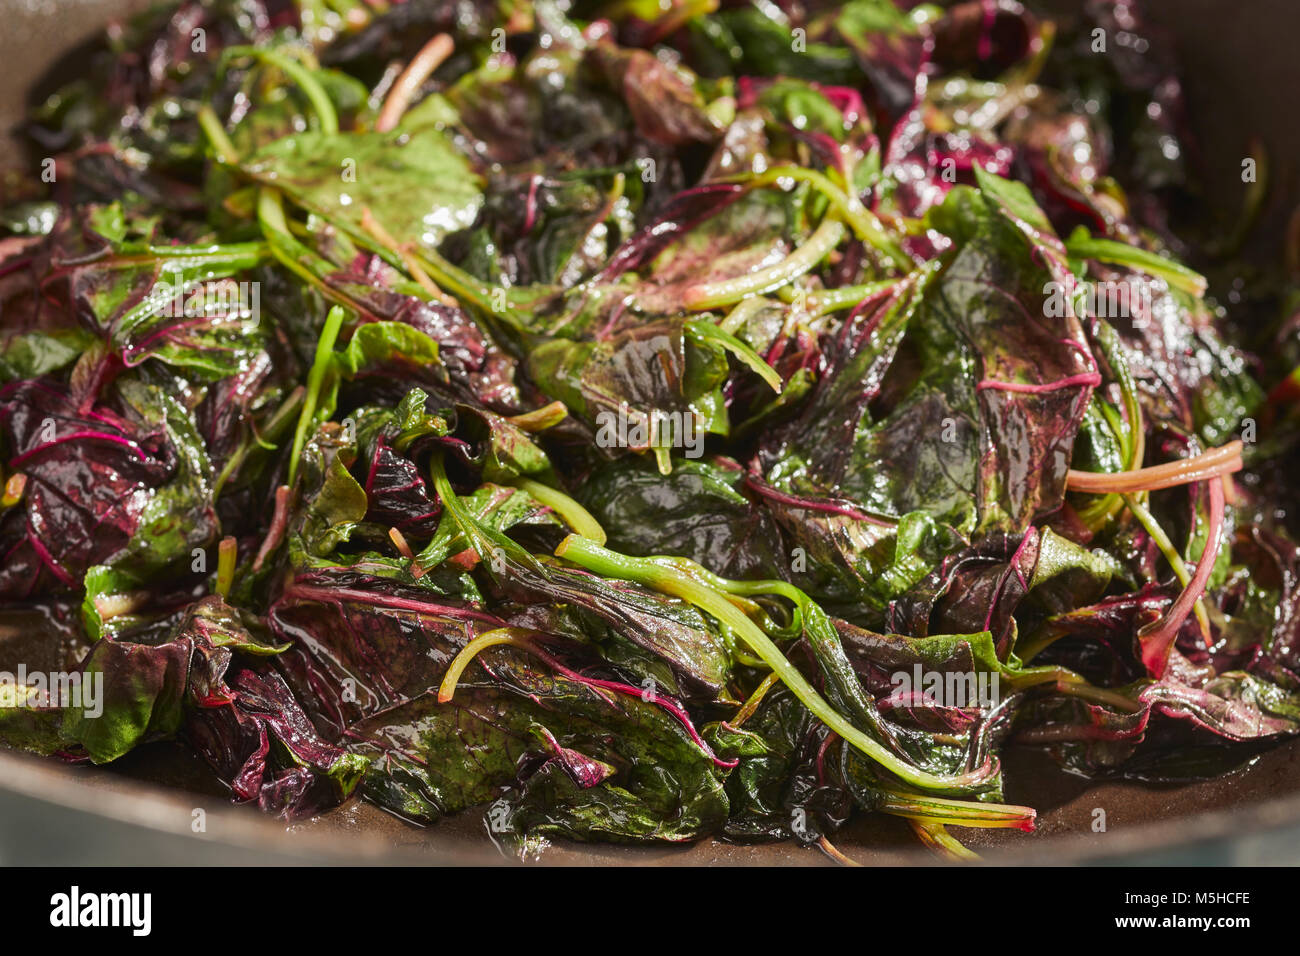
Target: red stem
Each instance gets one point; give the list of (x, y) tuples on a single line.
[(1157, 639)]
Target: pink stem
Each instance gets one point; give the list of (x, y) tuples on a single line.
[(1091, 379), (48, 560), (279, 522), (1158, 638), (102, 436), (334, 595)]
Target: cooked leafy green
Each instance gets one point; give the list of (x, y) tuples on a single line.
[(692, 422)]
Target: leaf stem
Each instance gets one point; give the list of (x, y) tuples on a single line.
[(1214, 463), (321, 104), (668, 580), (280, 420), (1156, 638), (751, 704), (515, 636), (863, 221), (227, 553), (826, 301), (962, 813), (1158, 535), (1122, 254), (222, 147), (575, 515), (291, 253), (742, 312), (411, 264), (315, 378), (279, 524), (712, 295), (14, 487), (936, 837), (829, 849), (421, 67), (708, 332), (540, 419)]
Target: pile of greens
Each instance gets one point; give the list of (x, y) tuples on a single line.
[(586, 412)]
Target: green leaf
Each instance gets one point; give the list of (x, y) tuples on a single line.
[(414, 183), (33, 354)]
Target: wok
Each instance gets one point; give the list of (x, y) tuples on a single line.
[(160, 806)]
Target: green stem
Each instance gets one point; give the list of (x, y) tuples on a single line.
[(863, 221), (1166, 546), (705, 330), (1041, 675), (1130, 434), (575, 515), (14, 487), (321, 104), (935, 836), (464, 286), (1157, 533), (962, 813), (315, 378), (227, 553), (754, 700), (451, 278), (540, 419), (1098, 695), (827, 301), (743, 311), (220, 265), (515, 636), (1100, 509), (1119, 362), (275, 427), (712, 295), (215, 257), (1122, 254), (483, 539), (1028, 648), (222, 147), (1134, 442), (738, 591), (291, 253), (235, 256), (672, 581)]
